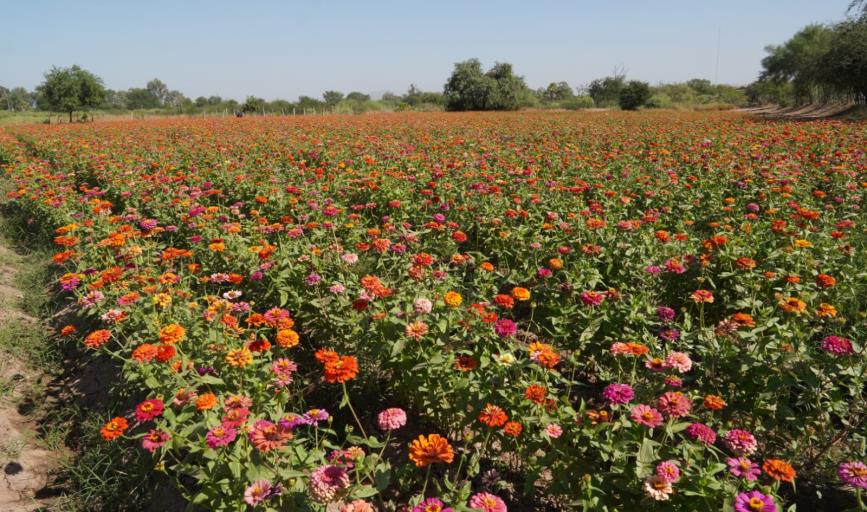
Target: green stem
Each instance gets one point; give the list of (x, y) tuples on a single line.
[(426, 478), (352, 410)]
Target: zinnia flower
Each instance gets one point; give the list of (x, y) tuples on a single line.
[(260, 491), (701, 432), (668, 471), (391, 419), (678, 361), (148, 410), (114, 428), (493, 416), (853, 474), (674, 404), (487, 502), (220, 436), (431, 505), (743, 467), (837, 345), (431, 449), (740, 442), (328, 484), (779, 470), (754, 501), (155, 439), (618, 393), (658, 488), (646, 415)]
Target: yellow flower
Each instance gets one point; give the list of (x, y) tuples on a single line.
[(240, 357), (453, 299), (801, 244), (163, 300)]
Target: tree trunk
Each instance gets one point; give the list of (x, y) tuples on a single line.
[(70, 117)]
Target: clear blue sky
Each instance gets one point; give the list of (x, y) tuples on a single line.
[(281, 49)]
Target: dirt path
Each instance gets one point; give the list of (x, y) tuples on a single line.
[(26, 459)]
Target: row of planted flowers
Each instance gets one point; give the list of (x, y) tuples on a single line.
[(577, 312)]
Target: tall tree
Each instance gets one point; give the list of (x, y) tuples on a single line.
[(158, 89), (70, 89), (332, 97)]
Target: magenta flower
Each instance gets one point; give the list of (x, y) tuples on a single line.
[(740, 442), (701, 432), (754, 501), (431, 505), (853, 474), (618, 393), (837, 345), (505, 328), (220, 436), (668, 471), (155, 439), (261, 491)]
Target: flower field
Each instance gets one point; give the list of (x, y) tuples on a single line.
[(432, 312)]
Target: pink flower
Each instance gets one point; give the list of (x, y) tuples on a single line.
[(432, 505), (422, 306), (646, 415), (487, 502), (740, 442), (154, 439), (853, 474), (674, 404), (148, 410), (391, 419), (328, 483), (554, 430), (701, 432), (618, 393), (220, 436), (678, 361), (743, 467), (358, 506), (702, 296), (592, 298), (260, 491), (668, 471), (505, 328), (837, 346)]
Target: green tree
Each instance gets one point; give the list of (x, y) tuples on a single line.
[(332, 97), (357, 96), (844, 64), (159, 90), (137, 98), (634, 94), (70, 89), (498, 89), (558, 91), (606, 91), (253, 105)]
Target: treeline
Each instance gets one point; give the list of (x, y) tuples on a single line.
[(820, 63), (73, 89)]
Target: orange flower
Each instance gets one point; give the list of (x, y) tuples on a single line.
[(287, 338), (172, 334), (825, 281), (487, 266), (714, 402), (521, 294), (114, 428), (826, 310), (512, 428), (67, 330), (239, 358), (340, 370), (206, 401), (431, 449), (793, 305), (493, 416), (453, 299), (536, 393), (743, 320), (779, 470), (97, 339)]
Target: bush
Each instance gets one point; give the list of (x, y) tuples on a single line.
[(634, 94)]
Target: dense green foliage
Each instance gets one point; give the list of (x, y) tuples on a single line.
[(819, 63), (70, 89), (468, 88), (634, 94)]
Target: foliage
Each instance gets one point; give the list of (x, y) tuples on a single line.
[(634, 94), (606, 91), (70, 89), (468, 88)]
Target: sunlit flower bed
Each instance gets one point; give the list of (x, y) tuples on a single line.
[(438, 312)]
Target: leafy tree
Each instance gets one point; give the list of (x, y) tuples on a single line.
[(799, 60), (700, 86), (70, 89), (159, 90), (214, 100), (844, 64), (332, 97), (253, 105), (498, 89), (307, 103), (634, 94), (558, 91), (201, 101), (115, 99), (18, 99), (137, 98), (357, 96), (279, 105), (606, 91)]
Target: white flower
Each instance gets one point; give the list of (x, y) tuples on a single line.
[(658, 488)]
